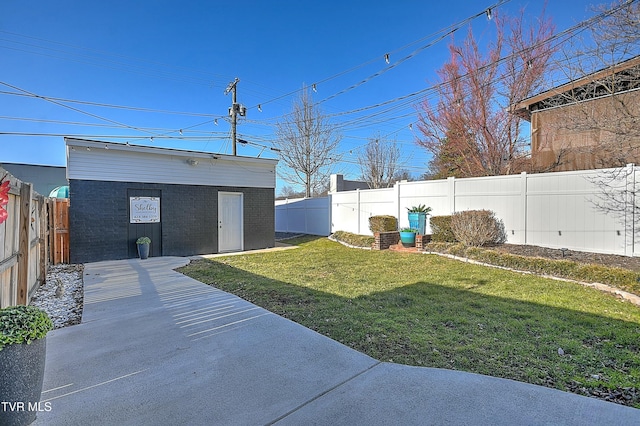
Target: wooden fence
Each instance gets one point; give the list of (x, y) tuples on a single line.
[(59, 230), (34, 236)]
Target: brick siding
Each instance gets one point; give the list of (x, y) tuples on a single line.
[(99, 219), (384, 240)]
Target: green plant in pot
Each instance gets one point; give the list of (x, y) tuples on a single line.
[(23, 331), (418, 217), (408, 237), (143, 247)]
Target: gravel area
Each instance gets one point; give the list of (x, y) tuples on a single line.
[(61, 296)]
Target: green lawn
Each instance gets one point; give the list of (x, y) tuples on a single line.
[(429, 311)]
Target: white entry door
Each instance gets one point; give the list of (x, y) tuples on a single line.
[(230, 229)]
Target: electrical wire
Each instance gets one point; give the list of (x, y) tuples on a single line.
[(391, 113), (440, 35), (73, 109), (105, 105)]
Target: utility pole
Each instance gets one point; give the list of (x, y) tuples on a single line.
[(235, 110)]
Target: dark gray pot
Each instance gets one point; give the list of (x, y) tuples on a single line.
[(143, 251), (21, 377)]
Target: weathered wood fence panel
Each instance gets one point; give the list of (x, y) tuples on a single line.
[(25, 242), (59, 230)]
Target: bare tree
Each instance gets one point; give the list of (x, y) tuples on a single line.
[(470, 130), (288, 191), (308, 146), (403, 174), (379, 162)]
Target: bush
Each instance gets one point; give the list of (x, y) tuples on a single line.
[(23, 324), (441, 229), (477, 228), (354, 239), (383, 223)]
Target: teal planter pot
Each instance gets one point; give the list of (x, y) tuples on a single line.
[(408, 239), (418, 221)]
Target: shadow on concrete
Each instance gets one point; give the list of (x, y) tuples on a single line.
[(429, 324)]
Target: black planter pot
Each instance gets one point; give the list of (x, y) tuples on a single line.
[(21, 377), (143, 251)]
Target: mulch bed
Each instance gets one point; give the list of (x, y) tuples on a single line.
[(626, 262)]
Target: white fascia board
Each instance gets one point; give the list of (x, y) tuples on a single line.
[(94, 160), (82, 143)]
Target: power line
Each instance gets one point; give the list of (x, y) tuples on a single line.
[(394, 106), (110, 136), (74, 109), (97, 56), (105, 105), (440, 35)]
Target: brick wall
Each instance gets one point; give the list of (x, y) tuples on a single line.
[(422, 241), (384, 240), (100, 229)]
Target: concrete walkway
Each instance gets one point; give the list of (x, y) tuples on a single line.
[(158, 348)]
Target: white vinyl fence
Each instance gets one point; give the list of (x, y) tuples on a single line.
[(593, 210), (304, 215)]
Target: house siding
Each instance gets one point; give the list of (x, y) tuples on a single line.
[(99, 218), (583, 136), (90, 160)]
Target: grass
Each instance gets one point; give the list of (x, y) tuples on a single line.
[(425, 310)]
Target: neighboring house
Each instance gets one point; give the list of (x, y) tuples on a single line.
[(187, 202), (43, 178), (339, 184), (588, 123)]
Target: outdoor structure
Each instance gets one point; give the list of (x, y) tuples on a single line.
[(588, 123), (43, 178), (338, 184), (187, 202)]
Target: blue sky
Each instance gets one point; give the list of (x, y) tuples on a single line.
[(166, 65)]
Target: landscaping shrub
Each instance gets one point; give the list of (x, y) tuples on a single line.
[(477, 228), (441, 229), (383, 223), (354, 239), (23, 324)]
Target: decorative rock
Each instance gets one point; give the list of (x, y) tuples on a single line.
[(61, 296)]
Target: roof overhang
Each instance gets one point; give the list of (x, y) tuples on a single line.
[(91, 144), (523, 108)]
